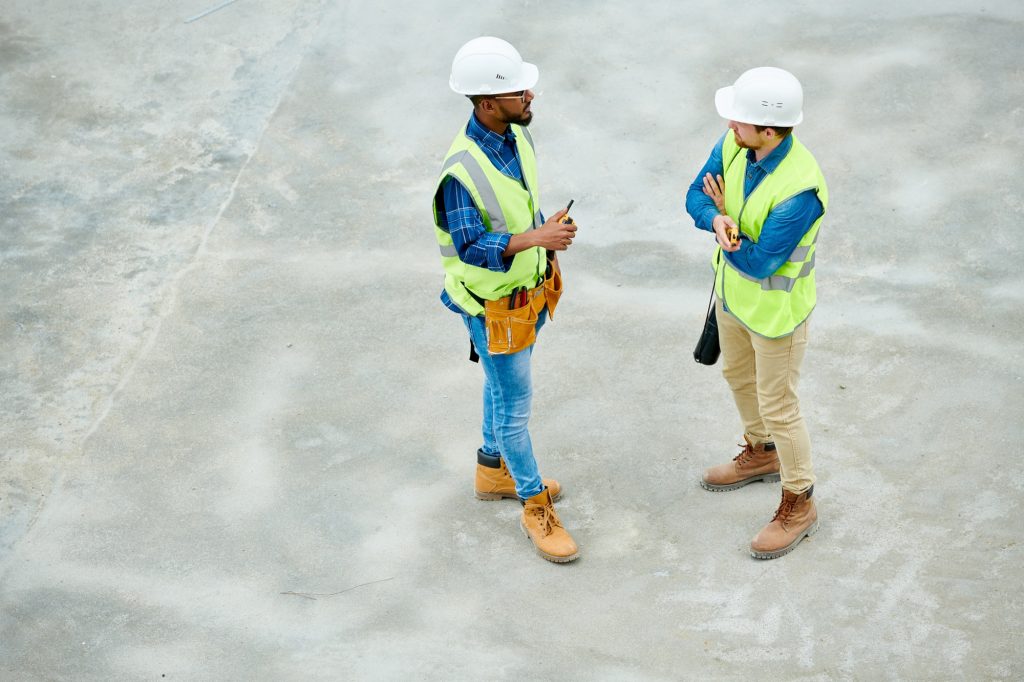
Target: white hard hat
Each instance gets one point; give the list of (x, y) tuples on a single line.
[(765, 96), (490, 66)]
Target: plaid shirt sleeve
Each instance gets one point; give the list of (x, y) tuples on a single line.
[(474, 244)]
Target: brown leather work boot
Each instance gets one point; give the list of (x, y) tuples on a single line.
[(541, 524), (754, 463), (495, 482), (795, 519)]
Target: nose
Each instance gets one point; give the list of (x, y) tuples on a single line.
[(529, 96)]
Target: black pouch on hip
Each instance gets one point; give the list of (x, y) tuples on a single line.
[(708, 349)]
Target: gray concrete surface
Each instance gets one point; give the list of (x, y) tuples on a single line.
[(237, 428)]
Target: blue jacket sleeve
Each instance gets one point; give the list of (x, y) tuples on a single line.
[(700, 206), (474, 244)]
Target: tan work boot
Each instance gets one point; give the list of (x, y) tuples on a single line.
[(795, 519), (755, 463), (494, 481), (541, 524)]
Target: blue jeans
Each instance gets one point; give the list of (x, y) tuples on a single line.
[(508, 390)]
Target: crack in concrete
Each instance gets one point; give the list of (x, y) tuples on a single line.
[(167, 307)]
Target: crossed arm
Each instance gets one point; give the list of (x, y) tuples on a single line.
[(782, 230)]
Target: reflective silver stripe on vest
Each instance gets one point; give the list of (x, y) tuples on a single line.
[(449, 251), (525, 179), (483, 186), (528, 136), (778, 282), (799, 254)]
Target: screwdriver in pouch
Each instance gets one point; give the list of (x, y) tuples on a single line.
[(512, 298)]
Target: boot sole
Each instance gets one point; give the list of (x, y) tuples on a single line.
[(544, 555), (491, 497), (808, 532), (767, 478)]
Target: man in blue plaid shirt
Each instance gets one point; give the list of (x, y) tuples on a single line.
[(493, 240)]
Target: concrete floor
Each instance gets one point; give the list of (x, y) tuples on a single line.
[(237, 428)]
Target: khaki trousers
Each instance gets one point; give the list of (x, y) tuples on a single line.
[(763, 375)]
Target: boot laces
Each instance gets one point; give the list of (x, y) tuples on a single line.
[(745, 455), (548, 518), (785, 509)]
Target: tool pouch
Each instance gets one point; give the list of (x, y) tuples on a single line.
[(708, 347), (510, 331), (552, 286)]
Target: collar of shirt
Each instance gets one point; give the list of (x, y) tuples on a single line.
[(485, 137), (769, 163)]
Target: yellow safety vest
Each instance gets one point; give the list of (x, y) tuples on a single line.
[(505, 206), (776, 305)]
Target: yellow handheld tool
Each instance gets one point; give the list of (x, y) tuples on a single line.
[(733, 234)]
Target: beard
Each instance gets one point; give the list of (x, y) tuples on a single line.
[(754, 145), (523, 119), (743, 145)]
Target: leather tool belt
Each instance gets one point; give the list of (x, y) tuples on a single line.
[(512, 320)]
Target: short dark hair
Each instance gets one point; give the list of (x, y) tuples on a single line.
[(476, 99), (780, 131)]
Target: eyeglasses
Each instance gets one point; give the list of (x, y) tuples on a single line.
[(521, 96)]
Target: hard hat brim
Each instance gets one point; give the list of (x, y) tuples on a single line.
[(456, 89), (725, 104), (725, 101), (528, 78)]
